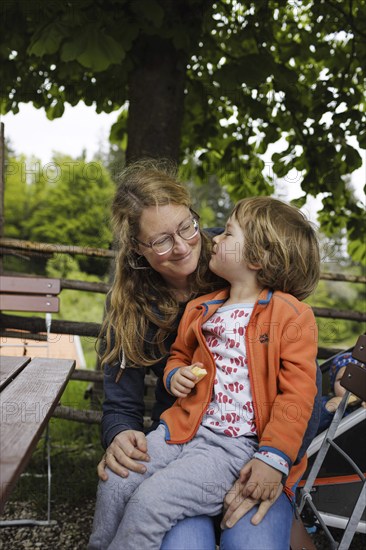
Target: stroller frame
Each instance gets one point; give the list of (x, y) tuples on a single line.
[(354, 381)]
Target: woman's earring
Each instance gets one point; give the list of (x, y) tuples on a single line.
[(135, 262)]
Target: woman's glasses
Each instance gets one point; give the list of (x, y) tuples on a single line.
[(187, 230)]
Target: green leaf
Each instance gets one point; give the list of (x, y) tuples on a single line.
[(353, 159), (281, 169), (55, 111), (118, 131), (73, 48), (361, 138), (47, 40), (100, 51), (300, 201), (357, 251)]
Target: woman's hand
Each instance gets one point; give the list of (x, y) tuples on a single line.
[(183, 381), (122, 454), (258, 484)]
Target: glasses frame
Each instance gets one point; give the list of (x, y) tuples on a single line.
[(194, 217)]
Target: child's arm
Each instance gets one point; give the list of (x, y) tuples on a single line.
[(292, 407), (260, 481), (184, 380), (181, 357)]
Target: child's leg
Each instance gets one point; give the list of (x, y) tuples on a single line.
[(194, 484), (112, 497), (113, 494)]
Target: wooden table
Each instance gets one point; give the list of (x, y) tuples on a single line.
[(29, 392)]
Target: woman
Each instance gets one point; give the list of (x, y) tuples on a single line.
[(162, 263)]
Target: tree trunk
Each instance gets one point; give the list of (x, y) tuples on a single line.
[(156, 94)]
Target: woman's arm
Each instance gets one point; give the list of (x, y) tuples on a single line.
[(123, 406), (122, 422)]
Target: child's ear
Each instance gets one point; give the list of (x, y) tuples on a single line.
[(255, 267)]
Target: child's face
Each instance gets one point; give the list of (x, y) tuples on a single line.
[(227, 254)]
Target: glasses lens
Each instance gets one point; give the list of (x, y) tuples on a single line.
[(189, 230), (163, 245)]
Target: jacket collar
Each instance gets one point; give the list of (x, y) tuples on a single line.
[(211, 302)]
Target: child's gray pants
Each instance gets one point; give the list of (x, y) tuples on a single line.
[(181, 481)]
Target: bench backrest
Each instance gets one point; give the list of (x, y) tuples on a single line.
[(29, 294)]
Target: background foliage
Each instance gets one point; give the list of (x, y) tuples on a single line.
[(65, 201), (219, 83)]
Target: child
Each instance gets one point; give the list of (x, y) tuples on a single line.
[(248, 416), (329, 404)]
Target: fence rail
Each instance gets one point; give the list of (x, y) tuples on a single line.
[(10, 246)]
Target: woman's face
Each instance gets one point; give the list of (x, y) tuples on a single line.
[(176, 265)]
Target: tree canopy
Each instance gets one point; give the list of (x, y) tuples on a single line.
[(218, 82)]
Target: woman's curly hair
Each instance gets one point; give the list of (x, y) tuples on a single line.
[(140, 297)]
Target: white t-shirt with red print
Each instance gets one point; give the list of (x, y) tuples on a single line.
[(231, 410)]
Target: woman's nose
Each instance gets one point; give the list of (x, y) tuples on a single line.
[(180, 244)]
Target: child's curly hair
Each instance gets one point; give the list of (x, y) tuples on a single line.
[(279, 238)]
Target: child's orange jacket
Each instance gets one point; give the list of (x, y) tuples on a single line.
[(281, 345)]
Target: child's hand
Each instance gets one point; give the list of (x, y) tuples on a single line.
[(183, 381), (261, 480), (333, 403), (236, 505)]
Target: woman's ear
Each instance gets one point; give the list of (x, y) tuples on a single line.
[(137, 249)]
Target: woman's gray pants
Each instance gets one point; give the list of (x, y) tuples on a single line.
[(181, 481)]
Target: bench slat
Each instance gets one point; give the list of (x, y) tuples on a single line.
[(17, 302), (10, 367), (26, 405), (30, 285)]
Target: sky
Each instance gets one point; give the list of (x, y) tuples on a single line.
[(31, 133), (81, 128)]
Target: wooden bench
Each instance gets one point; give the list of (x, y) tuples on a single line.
[(35, 294), (28, 294), (29, 391)]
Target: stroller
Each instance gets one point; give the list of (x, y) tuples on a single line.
[(332, 492)]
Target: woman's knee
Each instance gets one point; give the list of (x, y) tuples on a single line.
[(196, 533), (272, 533)]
